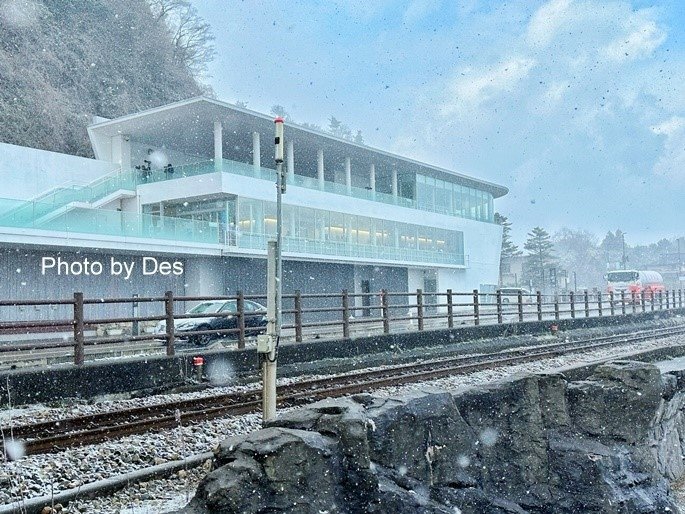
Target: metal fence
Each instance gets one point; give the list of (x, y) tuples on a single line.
[(311, 316)]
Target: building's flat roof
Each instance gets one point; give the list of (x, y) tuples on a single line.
[(189, 125)]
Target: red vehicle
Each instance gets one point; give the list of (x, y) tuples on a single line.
[(634, 281)]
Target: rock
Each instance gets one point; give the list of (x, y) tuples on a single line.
[(345, 421), (538, 444), (273, 469), (423, 435), (512, 447), (617, 401), (553, 406), (591, 477)]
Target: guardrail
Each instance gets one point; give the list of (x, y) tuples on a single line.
[(309, 316)]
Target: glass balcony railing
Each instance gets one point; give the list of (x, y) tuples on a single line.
[(130, 179), (344, 249), (249, 170), (81, 220), (101, 222)]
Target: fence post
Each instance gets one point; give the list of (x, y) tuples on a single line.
[(520, 305), (298, 316), (240, 307), (652, 301), (135, 328), (668, 301), (539, 304), (587, 304), (169, 316), (572, 299), (599, 303), (623, 302), (346, 314), (385, 310), (499, 306), (450, 311), (612, 309), (680, 297), (476, 308), (419, 308), (556, 307), (643, 301), (79, 326)]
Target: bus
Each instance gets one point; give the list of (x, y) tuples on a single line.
[(634, 281)]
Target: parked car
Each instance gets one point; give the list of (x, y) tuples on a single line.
[(510, 294), (255, 320)]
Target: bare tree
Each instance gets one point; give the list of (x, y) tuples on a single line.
[(191, 36)]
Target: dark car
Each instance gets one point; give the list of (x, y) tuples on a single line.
[(255, 320)]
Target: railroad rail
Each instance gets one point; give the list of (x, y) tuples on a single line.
[(306, 316), (56, 435)]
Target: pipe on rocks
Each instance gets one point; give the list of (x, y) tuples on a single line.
[(103, 487)]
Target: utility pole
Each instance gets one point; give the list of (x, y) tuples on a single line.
[(680, 264), (267, 344)]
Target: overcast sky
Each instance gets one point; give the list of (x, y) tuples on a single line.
[(578, 107)]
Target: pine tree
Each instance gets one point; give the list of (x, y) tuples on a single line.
[(334, 125), (509, 249), (279, 110), (540, 257)]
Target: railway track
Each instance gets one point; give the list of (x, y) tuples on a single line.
[(56, 435)]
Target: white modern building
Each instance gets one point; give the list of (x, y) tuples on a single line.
[(194, 182)]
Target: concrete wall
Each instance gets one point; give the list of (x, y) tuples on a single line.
[(22, 279), (203, 276), (27, 172), (107, 377)]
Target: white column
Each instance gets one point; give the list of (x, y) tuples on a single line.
[(319, 167), (218, 146), (161, 214), (348, 175), (121, 150), (256, 150), (290, 158), (394, 182), (372, 177)]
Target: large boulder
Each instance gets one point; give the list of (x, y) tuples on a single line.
[(424, 437), (272, 470), (590, 477), (618, 401), (345, 422), (512, 446), (535, 444)]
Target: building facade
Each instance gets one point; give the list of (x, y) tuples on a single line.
[(194, 182)]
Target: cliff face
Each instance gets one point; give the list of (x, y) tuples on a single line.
[(63, 62), (539, 444)]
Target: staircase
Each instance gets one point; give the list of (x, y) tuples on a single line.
[(56, 202)]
